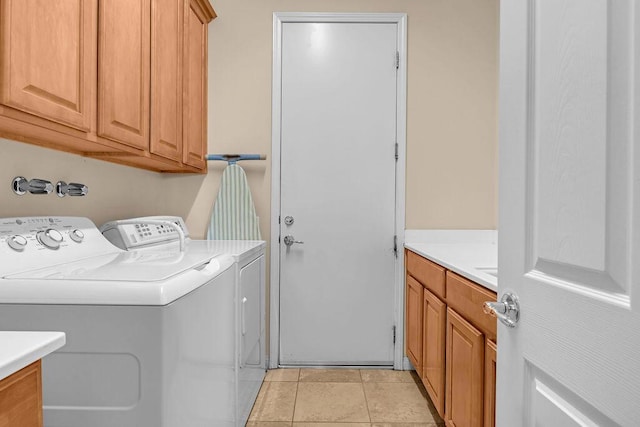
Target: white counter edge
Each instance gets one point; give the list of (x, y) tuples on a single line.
[(19, 349)]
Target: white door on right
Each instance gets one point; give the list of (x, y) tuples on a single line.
[(570, 212)]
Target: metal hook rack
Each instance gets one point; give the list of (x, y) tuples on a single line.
[(21, 186)]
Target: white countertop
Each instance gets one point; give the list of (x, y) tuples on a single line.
[(470, 253), (21, 348)]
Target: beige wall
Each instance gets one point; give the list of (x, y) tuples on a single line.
[(451, 142)]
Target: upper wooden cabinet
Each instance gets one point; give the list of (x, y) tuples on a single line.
[(48, 54), (123, 71), (120, 80), (167, 75), (197, 15)]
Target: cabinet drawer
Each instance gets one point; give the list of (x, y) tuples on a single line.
[(467, 298), (431, 275)]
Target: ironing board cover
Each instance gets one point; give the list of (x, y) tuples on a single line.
[(234, 214)]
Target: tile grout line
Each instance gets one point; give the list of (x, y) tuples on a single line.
[(295, 399), (366, 401)]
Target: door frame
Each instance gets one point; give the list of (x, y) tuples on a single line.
[(279, 18)]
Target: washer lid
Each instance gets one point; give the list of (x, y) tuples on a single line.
[(133, 266)]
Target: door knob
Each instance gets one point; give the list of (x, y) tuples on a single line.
[(290, 240), (507, 310)]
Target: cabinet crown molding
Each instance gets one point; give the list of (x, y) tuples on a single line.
[(206, 9)]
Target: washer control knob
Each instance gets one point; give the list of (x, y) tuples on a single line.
[(17, 242), (76, 235), (50, 238)]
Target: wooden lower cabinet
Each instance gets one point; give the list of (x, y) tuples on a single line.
[(21, 398), (414, 323), (465, 373), (451, 342), (490, 360), (433, 348)]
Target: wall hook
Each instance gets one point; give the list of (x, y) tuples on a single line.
[(20, 185), (72, 189)]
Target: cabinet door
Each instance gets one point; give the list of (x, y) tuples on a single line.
[(433, 359), (195, 85), (21, 398), (48, 59), (465, 373), (490, 357), (123, 71), (413, 322), (167, 21)]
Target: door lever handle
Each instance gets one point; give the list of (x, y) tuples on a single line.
[(290, 240), (507, 310)]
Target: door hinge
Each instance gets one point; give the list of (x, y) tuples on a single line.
[(395, 246), (396, 151), (278, 219), (394, 334), (397, 60)]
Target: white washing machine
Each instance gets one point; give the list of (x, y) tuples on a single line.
[(151, 336)]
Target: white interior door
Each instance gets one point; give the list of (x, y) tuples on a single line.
[(337, 182), (570, 213)]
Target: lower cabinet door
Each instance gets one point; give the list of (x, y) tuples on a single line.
[(21, 398), (414, 323), (490, 357), (465, 373), (434, 314)]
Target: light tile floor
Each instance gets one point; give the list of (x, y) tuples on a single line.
[(342, 398)]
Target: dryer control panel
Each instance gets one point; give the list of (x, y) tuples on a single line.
[(144, 231)]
